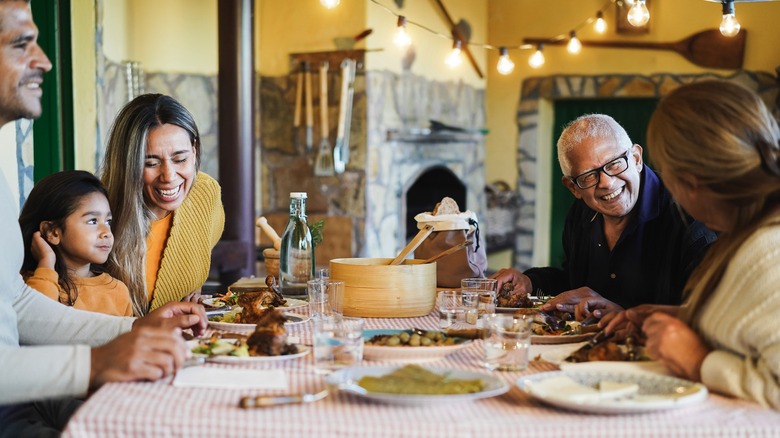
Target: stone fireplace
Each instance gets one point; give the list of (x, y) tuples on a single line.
[(534, 149), (392, 152)]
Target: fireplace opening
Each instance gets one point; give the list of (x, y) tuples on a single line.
[(429, 188)]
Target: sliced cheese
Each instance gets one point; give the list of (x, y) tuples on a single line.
[(611, 390)]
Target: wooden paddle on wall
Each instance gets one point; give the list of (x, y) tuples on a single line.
[(707, 48)]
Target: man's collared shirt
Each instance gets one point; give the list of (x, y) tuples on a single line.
[(650, 262)]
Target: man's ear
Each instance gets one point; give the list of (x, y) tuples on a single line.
[(571, 186), (50, 232), (636, 153)]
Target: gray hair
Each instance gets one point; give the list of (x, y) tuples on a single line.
[(587, 127)]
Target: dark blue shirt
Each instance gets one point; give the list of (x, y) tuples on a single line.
[(650, 262)]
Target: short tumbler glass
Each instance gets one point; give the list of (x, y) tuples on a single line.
[(508, 342), (486, 288), (326, 298), (456, 307), (338, 343)]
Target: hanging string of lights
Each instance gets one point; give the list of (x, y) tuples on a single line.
[(638, 15)]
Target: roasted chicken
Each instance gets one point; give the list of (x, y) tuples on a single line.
[(270, 336)]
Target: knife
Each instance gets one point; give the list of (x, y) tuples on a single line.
[(266, 401)]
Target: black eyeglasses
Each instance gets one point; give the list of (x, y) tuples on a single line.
[(613, 168)]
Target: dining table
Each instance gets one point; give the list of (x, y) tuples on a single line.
[(154, 409)]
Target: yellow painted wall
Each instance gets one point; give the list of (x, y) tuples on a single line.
[(512, 20), (293, 26), (286, 27), (431, 49), (170, 35), (84, 90)]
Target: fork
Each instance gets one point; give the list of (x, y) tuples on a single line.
[(266, 401)]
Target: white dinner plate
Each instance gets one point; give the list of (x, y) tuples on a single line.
[(303, 350), (576, 390), (213, 303), (560, 339), (292, 318), (406, 353), (346, 381)]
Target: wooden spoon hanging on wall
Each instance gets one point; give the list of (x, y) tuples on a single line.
[(707, 48)]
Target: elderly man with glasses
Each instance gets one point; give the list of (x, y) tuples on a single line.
[(625, 241)]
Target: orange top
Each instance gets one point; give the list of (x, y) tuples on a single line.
[(155, 245), (101, 293)]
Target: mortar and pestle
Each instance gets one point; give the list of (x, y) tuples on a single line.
[(270, 255)]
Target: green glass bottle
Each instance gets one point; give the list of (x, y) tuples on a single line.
[(296, 256)]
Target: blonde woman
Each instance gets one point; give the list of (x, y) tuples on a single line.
[(167, 215), (718, 148)]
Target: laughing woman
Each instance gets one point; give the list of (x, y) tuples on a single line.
[(718, 148), (167, 215)]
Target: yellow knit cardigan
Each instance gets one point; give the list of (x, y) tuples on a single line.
[(196, 228)]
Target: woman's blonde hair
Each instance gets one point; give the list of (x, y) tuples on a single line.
[(122, 174), (724, 135)]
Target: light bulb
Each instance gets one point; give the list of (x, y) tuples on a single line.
[(729, 26), (505, 65), (600, 25), (454, 58), (330, 4), (537, 59), (575, 46), (638, 15), (402, 38)]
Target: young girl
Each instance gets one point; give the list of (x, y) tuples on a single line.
[(66, 226)]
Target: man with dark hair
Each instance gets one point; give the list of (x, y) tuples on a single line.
[(50, 353)]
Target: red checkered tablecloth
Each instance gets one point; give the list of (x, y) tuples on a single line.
[(160, 409)]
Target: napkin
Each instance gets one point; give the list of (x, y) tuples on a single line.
[(231, 378)]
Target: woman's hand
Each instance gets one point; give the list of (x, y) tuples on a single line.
[(582, 302), (629, 322), (42, 251), (193, 297), (177, 314), (675, 345), (521, 282)]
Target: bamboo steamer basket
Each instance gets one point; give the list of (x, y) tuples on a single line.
[(375, 289)]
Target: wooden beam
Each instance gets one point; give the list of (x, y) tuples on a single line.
[(459, 36)]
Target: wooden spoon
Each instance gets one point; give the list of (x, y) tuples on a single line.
[(415, 242), (448, 251)]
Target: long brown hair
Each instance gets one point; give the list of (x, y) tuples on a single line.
[(724, 135), (122, 174)]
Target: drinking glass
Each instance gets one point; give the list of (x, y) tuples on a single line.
[(326, 298), (486, 289), (508, 342), (338, 343), (456, 307)]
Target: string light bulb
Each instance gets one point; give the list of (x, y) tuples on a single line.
[(638, 15), (729, 26), (600, 25), (537, 59), (402, 38), (330, 4), (505, 65), (454, 58), (575, 46)]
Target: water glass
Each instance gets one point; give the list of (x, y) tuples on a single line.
[(323, 274), (338, 343), (508, 342), (487, 290), (326, 298), (456, 307)]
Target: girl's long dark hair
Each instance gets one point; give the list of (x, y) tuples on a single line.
[(52, 200)]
